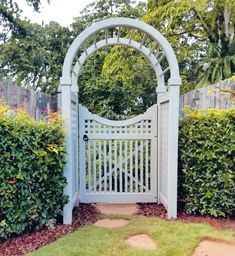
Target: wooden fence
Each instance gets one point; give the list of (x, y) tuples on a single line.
[(37, 104), (213, 96)]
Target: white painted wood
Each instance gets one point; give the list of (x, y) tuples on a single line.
[(131, 35), (117, 163), (123, 22), (155, 63), (141, 166), (89, 165), (66, 114), (119, 33), (110, 166), (120, 166), (82, 158), (163, 126), (153, 156), (119, 197), (119, 136), (131, 166), (126, 170), (100, 171), (129, 132), (143, 40), (173, 151), (147, 165), (136, 166), (105, 166), (69, 114), (94, 165), (168, 113)]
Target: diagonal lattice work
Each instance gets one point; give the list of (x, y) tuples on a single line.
[(117, 166), (117, 157)]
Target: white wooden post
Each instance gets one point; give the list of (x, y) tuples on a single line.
[(66, 114), (173, 150)]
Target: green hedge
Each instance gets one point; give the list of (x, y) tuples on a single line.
[(207, 162), (31, 172)]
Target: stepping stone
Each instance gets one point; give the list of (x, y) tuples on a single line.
[(141, 241), (213, 248), (111, 223), (127, 209)]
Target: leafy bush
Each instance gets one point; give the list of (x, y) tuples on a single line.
[(31, 171), (207, 162)]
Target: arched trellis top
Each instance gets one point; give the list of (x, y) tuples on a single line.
[(79, 51)]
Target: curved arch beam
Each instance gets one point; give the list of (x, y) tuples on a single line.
[(126, 42), (123, 22), (121, 123)]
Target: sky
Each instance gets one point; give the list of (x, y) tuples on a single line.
[(62, 11)]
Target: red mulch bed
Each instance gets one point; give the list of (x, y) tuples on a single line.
[(153, 209), (28, 242)]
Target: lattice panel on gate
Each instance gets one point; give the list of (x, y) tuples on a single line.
[(118, 156), (94, 127), (74, 146)]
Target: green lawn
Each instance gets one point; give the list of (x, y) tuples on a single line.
[(172, 238)]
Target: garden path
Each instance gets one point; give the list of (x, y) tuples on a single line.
[(143, 241)]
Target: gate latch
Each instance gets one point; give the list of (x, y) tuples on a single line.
[(85, 137)]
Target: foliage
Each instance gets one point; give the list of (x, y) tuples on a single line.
[(127, 70), (207, 163), (115, 82), (35, 60), (10, 21), (30, 54), (194, 28), (31, 178)]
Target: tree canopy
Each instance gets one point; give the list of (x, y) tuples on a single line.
[(202, 34), (117, 81), (10, 20)]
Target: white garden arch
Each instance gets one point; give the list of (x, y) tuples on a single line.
[(154, 46)]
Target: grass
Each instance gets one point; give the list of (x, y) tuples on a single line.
[(172, 238)]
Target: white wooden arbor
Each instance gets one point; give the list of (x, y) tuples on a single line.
[(154, 46)]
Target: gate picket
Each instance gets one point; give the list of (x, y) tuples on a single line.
[(117, 158)]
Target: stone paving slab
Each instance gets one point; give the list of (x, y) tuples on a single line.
[(111, 223), (141, 241), (127, 209), (214, 248)]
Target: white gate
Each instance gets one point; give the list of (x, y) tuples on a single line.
[(118, 160)]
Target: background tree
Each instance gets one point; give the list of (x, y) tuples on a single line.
[(202, 34), (35, 59), (10, 20), (115, 82)]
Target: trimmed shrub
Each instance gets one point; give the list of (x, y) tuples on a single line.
[(31, 172), (207, 162)]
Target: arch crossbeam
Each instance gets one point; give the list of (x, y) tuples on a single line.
[(155, 63), (117, 24)]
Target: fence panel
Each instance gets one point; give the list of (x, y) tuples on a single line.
[(213, 96), (37, 104)]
